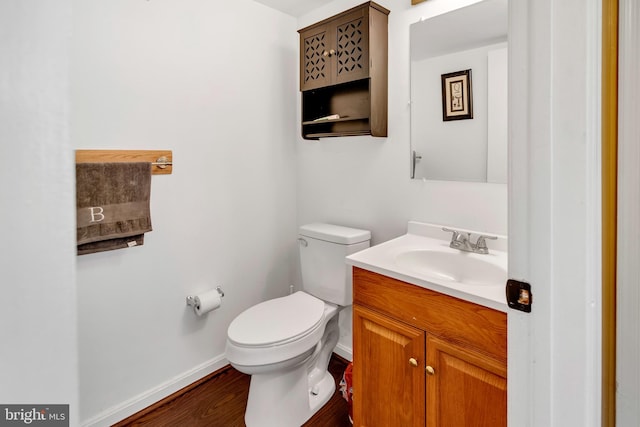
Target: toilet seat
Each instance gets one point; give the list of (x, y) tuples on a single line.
[(277, 321), (276, 331)]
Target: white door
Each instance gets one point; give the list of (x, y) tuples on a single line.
[(554, 211)]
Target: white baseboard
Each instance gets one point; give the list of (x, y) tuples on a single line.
[(149, 397), (344, 351)]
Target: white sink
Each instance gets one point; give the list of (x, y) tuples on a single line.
[(423, 258), (462, 267)]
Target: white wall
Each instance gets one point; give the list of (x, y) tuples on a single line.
[(498, 116), (38, 354), (364, 182), (215, 82)]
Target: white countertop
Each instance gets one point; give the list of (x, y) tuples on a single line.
[(421, 236)]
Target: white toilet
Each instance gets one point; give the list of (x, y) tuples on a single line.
[(285, 344)]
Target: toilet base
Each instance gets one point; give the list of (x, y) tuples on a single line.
[(285, 400), (288, 398), (326, 388)]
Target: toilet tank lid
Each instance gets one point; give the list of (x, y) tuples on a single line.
[(335, 233)]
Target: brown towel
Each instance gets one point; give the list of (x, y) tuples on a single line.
[(112, 201)]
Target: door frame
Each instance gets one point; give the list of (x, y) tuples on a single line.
[(610, 11)]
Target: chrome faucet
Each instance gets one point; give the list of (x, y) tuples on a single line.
[(462, 241)]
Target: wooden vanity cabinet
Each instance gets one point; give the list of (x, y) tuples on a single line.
[(343, 71), (424, 358)]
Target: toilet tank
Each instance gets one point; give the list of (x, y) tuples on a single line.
[(323, 248)]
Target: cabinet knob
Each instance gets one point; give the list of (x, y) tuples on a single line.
[(430, 370), (332, 52), (413, 362)]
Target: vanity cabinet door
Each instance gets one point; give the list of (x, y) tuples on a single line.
[(464, 388), (388, 371)]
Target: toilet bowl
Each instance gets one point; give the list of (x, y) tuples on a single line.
[(275, 332), (285, 343), (289, 377)]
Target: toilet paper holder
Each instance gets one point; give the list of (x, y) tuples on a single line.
[(191, 299)]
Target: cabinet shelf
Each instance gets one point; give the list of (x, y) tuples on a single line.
[(351, 101), (334, 134), (341, 119)]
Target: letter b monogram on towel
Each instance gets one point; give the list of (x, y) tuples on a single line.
[(97, 213), (94, 215)]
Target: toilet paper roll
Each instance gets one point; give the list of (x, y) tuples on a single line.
[(207, 302)]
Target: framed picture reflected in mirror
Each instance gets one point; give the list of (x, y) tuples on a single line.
[(457, 102)]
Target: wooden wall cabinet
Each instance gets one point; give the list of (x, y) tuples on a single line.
[(421, 358), (343, 72)]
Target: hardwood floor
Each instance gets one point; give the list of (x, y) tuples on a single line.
[(220, 400)]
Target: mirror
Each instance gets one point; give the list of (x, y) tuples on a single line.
[(459, 117)]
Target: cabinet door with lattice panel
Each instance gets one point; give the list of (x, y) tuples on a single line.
[(315, 60), (351, 56)]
